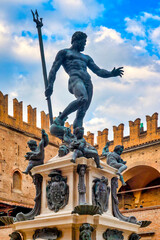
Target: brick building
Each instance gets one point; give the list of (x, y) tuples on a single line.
[(16, 189), (141, 196)]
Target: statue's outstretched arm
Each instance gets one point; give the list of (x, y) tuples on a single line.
[(102, 72), (52, 74)]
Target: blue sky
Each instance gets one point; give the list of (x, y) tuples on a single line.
[(120, 33)]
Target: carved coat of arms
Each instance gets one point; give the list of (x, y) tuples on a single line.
[(100, 193), (113, 234), (57, 191)]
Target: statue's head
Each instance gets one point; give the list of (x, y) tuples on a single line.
[(15, 235), (32, 144), (63, 150), (118, 149), (85, 231), (134, 236), (79, 40), (85, 235), (81, 169), (79, 132)]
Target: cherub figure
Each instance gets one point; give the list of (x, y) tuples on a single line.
[(114, 160), (80, 148), (36, 156)]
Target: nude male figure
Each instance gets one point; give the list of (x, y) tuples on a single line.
[(75, 64)]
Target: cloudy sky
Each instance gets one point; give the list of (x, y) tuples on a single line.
[(120, 33)]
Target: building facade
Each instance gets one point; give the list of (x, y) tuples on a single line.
[(140, 197), (16, 189)]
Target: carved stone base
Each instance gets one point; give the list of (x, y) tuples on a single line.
[(73, 215)]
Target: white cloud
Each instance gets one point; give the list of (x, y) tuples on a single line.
[(26, 49), (105, 32), (147, 16), (97, 123), (155, 36), (135, 27), (79, 10), (115, 100), (26, 2), (142, 74)]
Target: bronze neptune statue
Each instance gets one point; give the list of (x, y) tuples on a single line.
[(75, 64)]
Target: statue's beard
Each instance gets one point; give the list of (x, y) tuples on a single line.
[(81, 48)]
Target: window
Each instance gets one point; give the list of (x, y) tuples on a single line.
[(17, 181)]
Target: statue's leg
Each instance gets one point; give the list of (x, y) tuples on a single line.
[(122, 168), (80, 93), (74, 156), (89, 153), (81, 112), (76, 153), (29, 167)]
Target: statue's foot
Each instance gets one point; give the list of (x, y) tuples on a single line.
[(25, 172), (118, 174), (121, 179), (99, 166), (72, 160), (124, 184)]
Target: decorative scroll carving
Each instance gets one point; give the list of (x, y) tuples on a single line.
[(113, 234), (85, 231), (100, 193), (57, 191), (134, 236), (47, 233), (37, 180), (7, 220), (116, 212)]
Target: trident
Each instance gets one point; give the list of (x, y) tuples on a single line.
[(39, 25)]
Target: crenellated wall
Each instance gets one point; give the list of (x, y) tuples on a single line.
[(14, 135), (136, 137), (16, 121)]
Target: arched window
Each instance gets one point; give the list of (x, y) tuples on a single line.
[(17, 181)]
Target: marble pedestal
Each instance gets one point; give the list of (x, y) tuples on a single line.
[(64, 220)]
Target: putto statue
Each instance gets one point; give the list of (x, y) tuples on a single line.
[(114, 159), (75, 64), (81, 149), (36, 156)]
